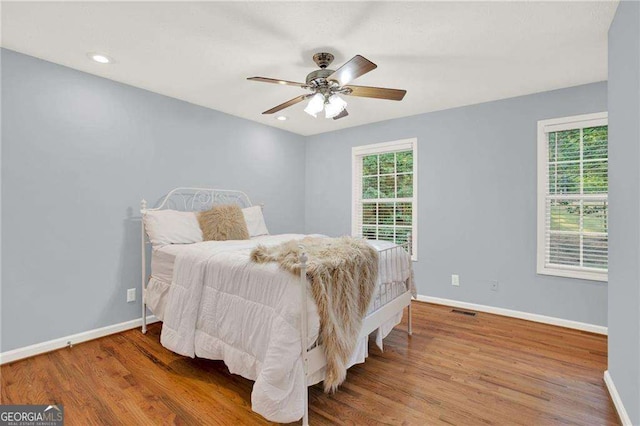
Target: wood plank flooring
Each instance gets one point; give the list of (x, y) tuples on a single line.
[(455, 369)]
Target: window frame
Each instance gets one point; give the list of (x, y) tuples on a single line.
[(357, 153), (545, 127)]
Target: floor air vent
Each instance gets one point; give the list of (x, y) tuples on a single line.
[(458, 311)]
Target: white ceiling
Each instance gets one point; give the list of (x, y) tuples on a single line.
[(445, 54)]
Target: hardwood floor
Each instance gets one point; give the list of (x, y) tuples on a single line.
[(455, 369)]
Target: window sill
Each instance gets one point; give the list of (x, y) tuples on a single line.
[(570, 273)]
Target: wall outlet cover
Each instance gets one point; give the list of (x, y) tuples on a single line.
[(455, 279), (131, 295)]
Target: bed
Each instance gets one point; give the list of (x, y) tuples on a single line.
[(217, 304)]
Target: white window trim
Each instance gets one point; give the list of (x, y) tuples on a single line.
[(544, 127), (382, 148)]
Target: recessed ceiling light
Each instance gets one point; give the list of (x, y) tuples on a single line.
[(100, 58), (282, 118)]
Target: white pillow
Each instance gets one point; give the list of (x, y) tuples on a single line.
[(172, 227), (255, 221)]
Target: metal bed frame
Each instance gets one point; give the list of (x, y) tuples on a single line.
[(198, 199)]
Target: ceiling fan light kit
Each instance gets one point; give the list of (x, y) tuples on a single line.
[(315, 105), (334, 106), (326, 85)]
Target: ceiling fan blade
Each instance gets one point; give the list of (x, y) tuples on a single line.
[(343, 114), (276, 81), (354, 68), (286, 104), (376, 92)]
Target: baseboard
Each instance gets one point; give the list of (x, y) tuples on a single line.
[(598, 329), (617, 401), (52, 345)]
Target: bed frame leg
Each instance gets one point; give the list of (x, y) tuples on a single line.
[(143, 208), (305, 417), (144, 318), (303, 334), (410, 251)]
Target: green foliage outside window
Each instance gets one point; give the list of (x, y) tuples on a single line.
[(578, 165), (386, 178)]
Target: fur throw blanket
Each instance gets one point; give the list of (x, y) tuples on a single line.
[(343, 274)]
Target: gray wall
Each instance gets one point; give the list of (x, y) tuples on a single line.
[(624, 193), (476, 198), (79, 152)]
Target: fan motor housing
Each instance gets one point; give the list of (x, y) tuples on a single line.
[(319, 77)]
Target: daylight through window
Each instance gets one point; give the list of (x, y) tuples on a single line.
[(384, 184), (573, 210)]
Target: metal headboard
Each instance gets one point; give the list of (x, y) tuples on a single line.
[(189, 200), (198, 199)]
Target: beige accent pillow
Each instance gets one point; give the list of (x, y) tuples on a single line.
[(224, 222)]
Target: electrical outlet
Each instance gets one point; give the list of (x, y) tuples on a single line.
[(455, 279), (131, 295), (493, 285)]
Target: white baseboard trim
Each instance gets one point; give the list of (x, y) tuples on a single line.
[(74, 339), (51, 345), (617, 401), (598, 329)]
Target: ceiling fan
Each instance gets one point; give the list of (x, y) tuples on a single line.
[(326, 85)]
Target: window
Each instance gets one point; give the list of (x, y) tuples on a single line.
[(385, 192), (572, 197)]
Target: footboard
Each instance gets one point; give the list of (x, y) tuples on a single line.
[(393, 294)]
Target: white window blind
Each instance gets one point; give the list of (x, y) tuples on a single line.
[(573, 197), (384, 184)]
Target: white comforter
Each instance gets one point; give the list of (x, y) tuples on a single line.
[(223, 306)]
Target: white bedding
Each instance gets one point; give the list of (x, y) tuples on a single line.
[(220, 305), (162, 260)]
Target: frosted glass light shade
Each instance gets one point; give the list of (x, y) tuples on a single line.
[(315, 105), (335, 106)]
